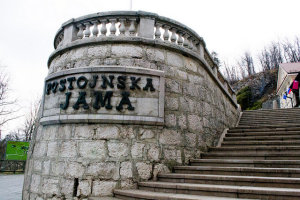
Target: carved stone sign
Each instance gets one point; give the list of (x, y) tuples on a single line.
[(112, 94)]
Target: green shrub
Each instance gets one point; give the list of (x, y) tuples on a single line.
[(257, 105), (244, 97)]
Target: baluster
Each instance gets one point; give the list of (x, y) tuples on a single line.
[(173, 36), (157, 31), (87, 31), (166, 33), (132, 30), (95, 29), (195, 42), (113, 28), (80, 32), (180, 40), (122, 28), (103, 29), (190, 39), (186, 42)]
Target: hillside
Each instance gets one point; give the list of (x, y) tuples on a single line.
[(256, 89)]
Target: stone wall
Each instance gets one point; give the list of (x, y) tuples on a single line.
[(90, 160)]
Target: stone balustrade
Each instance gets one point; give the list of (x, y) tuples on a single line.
[(136, 24)]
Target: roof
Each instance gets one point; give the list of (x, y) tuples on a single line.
[(290, 67)]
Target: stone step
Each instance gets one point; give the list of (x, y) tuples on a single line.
[(239, 171), (222, 190), (246, 163), (274, 111), (143, 194), (255, 138), (262, 123), (262, 129), (269, 133), (254, 149), (254, 155), (266, 126), (267, 118), (260, 143), (254, 181)]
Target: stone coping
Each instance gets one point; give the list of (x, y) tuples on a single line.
[(105, 68), (105, 119), (144, 41)]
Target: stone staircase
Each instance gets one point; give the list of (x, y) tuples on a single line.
[(259, 159)]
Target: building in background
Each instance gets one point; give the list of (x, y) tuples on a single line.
[(287, 84)]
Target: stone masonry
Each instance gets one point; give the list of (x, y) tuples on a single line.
[(79, 160)]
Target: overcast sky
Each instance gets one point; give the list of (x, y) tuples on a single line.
[(228, 27)]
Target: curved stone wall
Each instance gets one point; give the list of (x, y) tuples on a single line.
[(89, 152)]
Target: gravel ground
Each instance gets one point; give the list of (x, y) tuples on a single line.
[(11, 186)]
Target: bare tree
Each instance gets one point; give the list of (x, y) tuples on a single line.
[(7, 104), (31, 120), (231, 73), (271, 57), (291, 50), (246, 65)]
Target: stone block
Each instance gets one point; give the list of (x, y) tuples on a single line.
[(50, 186), (128, 184), (78, 53), (93, 149), (153, 153), (57, 168), (127, 132), (170, 120), (195, 123), (40, 149), (103, 170), (68, 149), (190, 64), (154, 54), (173, 155), (182, 122), (49, 132), (117, 150), (103, 188), (173, 86), (126, 51), (52, 150), (84, 188), (35, 183), (146, 133), (190, 139), (137, 150), (37, 165), (126, 170), (109, 132), (84, 131), (64, 132), (171, 103), (182, 75), (100, 51), (75, 169), (67, 187), (170, 137), (46, 167), (144, 170), (175, 59), (160, 168)]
